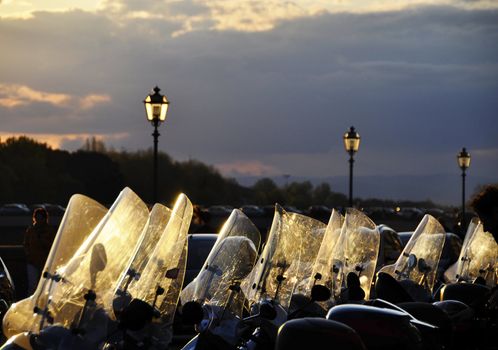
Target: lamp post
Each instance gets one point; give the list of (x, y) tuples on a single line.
[(351, 144), (463, 158), (156, 107)]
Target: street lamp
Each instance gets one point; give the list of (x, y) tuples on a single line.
[(156, 107), (351, 144), (463, 158)]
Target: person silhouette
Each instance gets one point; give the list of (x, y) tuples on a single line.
[(38, 240), (485, 204)]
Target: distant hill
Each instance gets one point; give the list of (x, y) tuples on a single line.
[(443, 189)]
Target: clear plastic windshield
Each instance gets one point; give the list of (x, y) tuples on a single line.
[(288, 258), (323, 269), (158, 219), (237, 224), (161, 279), (479, 256), (99, 262), (231, 259), (361, 247), (80, 218), (420, 258)]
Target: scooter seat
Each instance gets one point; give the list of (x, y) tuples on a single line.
[(317, 333), (387, 288), (433, 315), (379, 328), (467, 293), (428, 313)]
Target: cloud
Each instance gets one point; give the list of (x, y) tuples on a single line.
[(15, 95), (247, 168), (261, 15), (25, 9), (92, 100)]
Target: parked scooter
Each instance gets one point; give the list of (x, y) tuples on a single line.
[(478, 260), (328, 261), (361, 243), (285, 263), (470, 296), (145, 301), (354, 252), (415, 270), (213, 301), (78, 304), (80, 218)]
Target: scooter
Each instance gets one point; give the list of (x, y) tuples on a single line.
[(81, 217), (213, 301), (145, 300), (78, 308), (286, 261), (415, 270), (478, 260)]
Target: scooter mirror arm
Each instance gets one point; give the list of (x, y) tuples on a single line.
[(90, 297)]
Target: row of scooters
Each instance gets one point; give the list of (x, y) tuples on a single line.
[(114, 278)]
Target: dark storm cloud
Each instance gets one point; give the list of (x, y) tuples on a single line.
[(414, 82)]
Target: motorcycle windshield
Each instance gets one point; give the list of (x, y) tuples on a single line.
[(158, 219), (231, 259), (99, 262), (81, 216), (323, 269), (361, 247), (479, 256), (288, 257), (161, 279), (420, 259)]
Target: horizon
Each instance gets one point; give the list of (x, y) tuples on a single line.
[(382, 186)]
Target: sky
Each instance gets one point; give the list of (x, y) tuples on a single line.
[(264, 88)]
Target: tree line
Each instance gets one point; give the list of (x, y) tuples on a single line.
[(33, 172)]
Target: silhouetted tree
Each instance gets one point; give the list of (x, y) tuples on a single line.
[(299, 194), (99, 175), (266, 192)]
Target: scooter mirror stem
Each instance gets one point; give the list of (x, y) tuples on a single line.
[(234, 289)]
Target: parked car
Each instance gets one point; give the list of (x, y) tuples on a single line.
[(291, 209), (411, 213), (14, 209), (252, 210), (380, 213), (217, 215), (52, 209), (219, 210)]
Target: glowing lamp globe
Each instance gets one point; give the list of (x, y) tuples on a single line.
[(351, 140), (156, 107)]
